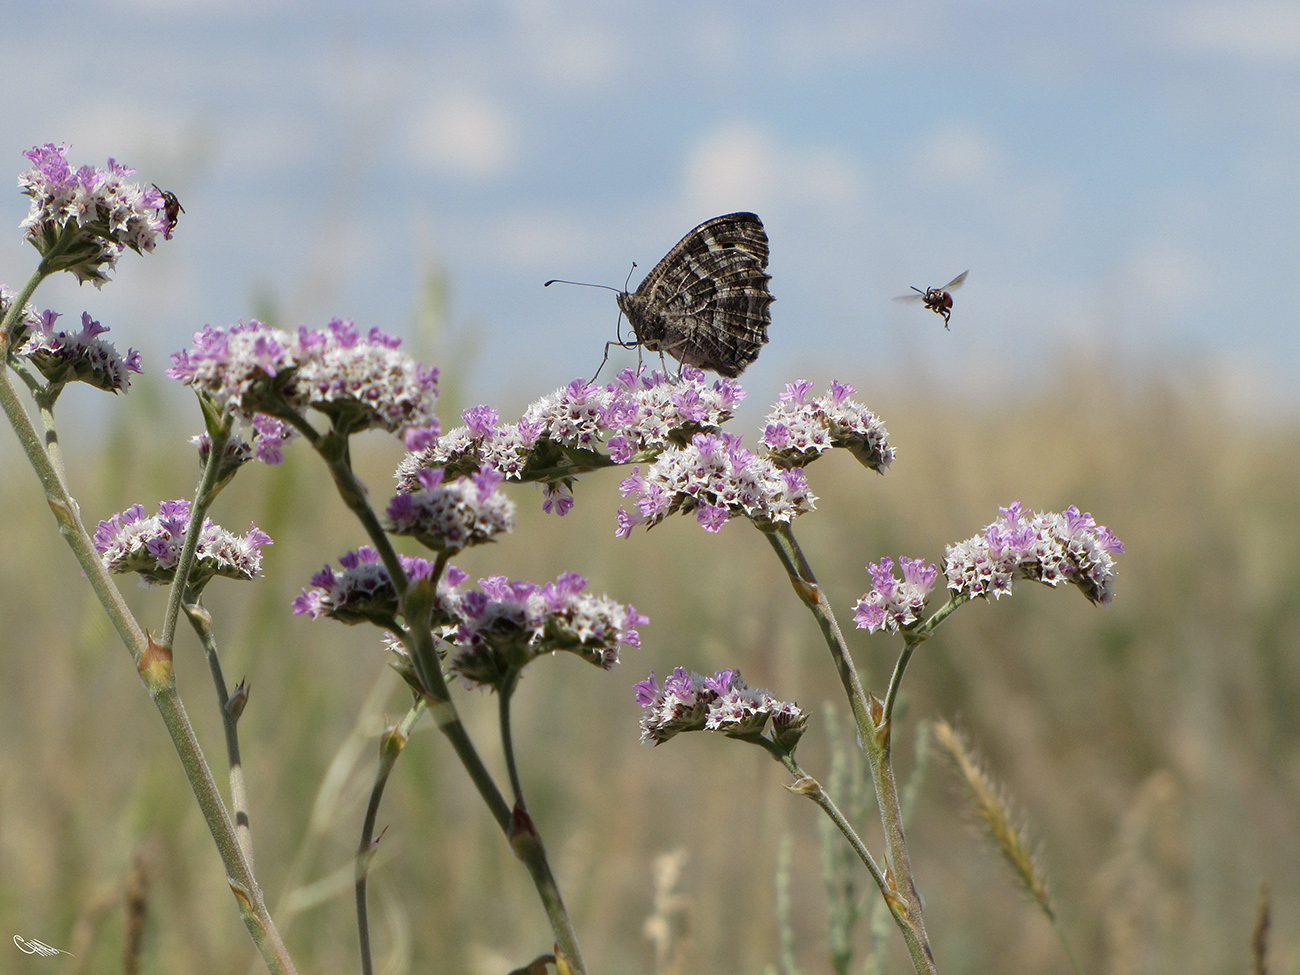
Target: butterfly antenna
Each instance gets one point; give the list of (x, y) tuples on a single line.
[(629, 275), (580, 284)]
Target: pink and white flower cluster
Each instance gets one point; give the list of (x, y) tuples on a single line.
[(723, 703), (1069, 547), (717, 478), (359, 381), (81, 220), (799, 429), (151, 546), (894, 603)]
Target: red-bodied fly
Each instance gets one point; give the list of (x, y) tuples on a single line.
[(171, 206), (938, 300)]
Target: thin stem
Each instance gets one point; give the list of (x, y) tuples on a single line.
[(874, 738), (527, 844), (203, 497), (153, 662), (787, 549), (390, 747), (805, 785), (417, 602), (9, 325), (911, 640), (505, 693), (201, 620)]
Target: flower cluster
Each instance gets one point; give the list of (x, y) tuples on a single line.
[(267, 445), (130, 542), (722, 703), (359, 382), (1045, 547), (563, 434), (451, 516), (799, 430), (717, 478), (506, 623), (82, 220), (363, 591), (895, 603), (64, 357)]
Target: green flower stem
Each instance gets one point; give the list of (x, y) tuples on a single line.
[(15, 313), (333, 449), (68, 516), (873, 736), (781, 536), (527, 842), (911, 640), (390, 747), (805, 785), (505, 694), (417, 603), (159, 678), (153, 662), (203, 497), (201, 620), (528, 847)]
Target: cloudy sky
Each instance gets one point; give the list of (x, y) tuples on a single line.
[(1122, 179)]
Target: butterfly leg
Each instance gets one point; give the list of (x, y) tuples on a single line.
[(622, 345)]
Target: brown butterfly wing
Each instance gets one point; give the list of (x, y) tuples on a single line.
[(706, 303)]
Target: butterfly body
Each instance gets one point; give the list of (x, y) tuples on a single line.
[(706, 303), (938, 300)]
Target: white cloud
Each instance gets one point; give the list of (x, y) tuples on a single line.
[(530, 240), (1256, 31), (741, 166), (578, 56), (846, 34), (467, 136), (958, 153)]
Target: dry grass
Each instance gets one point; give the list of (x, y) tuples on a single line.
[(1152, 744)]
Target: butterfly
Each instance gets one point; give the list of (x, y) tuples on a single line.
[(938, 300), (706, 303)]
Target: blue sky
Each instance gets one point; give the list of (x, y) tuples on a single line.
[(1121, 179)]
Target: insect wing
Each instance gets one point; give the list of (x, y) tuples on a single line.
[(706, 303), (956, 282)]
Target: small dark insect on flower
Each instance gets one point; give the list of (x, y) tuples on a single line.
[(938, 300), (171, 205)]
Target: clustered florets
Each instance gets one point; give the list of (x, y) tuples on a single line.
[(892, 603), (362, 590), (81, 220), (800, 430), (715, 477), (492, 631), (359, 382), (63, 356), (506, 623), (723, 703), (451, 516), (1042, 546), (130, 542), (562, 434)]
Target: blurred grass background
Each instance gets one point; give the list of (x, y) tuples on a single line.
[(1152, 745)]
